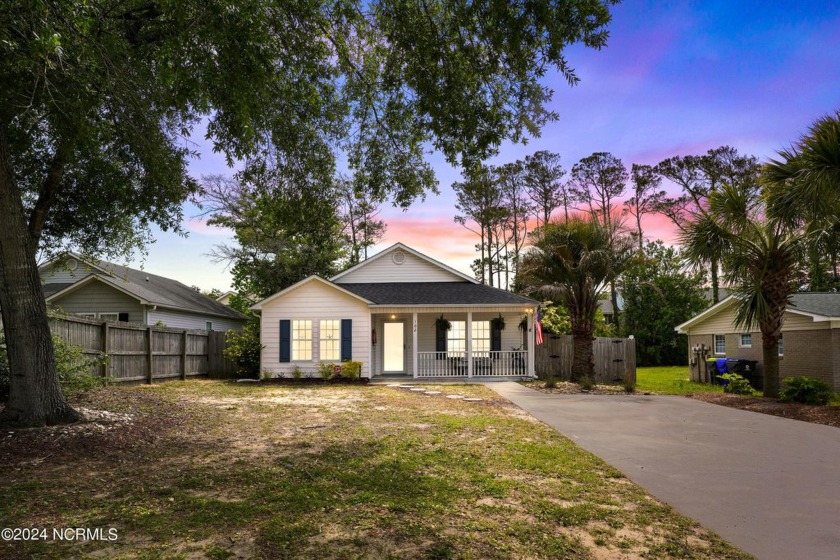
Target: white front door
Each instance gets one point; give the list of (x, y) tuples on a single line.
[(393, 348)]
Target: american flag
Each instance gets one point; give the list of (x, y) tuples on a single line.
[(538, 334)]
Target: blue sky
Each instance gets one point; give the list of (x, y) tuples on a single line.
[(676, 78)]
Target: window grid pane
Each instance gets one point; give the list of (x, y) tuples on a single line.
[(746, 340), (330, 339), (456, 338), (301, 340), (720, 344), (481, 336)]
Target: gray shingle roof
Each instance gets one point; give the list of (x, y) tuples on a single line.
[(818, 303), (157, 290), (434, 293)]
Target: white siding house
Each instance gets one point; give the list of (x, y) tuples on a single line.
[(393, 302)]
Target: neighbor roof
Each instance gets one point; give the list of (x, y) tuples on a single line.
[(435, 293), (825, 304), (150, 289), (821, 306)]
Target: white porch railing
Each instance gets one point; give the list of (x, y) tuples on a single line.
[(441, 364), (506, 363)]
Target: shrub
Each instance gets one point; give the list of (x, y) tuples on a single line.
[(297, 373), (737, 385), (806, 390), (74, 368), (351, 370), (326, 370), (243, 348), (586, 383), (550, 381), (629, 386)]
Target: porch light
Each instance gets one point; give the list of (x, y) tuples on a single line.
[(393, 316)]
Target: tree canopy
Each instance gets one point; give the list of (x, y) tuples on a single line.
[(98, 100)]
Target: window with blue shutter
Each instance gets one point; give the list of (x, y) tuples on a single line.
[(346, 340), (285, 340)]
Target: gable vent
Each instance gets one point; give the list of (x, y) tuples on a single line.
[(398, 257)]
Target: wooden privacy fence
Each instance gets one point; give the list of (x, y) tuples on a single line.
[(615, 358), (141, 353)]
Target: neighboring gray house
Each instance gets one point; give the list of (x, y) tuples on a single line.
[(117, 293)]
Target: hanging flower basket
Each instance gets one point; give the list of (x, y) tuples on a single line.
[(498, 323), (443, 323)]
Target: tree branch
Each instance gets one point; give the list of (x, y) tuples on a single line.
[(50, 189)]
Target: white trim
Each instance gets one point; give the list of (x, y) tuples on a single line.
[(408, 249), (817, 318), (375, 306), (714, 345), (705, 314), (88, 279), (259, 305)]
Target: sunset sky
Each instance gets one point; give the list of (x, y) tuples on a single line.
[(676, 78)]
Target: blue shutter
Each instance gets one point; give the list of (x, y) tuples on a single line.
[(440, 343), (285, 340), (495, 338), (346, 340)]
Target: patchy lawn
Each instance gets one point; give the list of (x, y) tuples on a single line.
[(217, 470), (670, 380)]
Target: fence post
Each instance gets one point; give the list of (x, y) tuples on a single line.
[(105, 349), (149, 332), (184, 355)]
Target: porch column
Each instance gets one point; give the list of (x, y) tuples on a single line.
[(532, 343), (414, 344), (469, 345)]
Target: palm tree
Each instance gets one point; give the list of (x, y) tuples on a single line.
[(572, 262), (803, 189), (760, 257), (808, 174)]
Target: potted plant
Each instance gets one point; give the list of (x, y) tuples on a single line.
[(498, 323), (442, 323), (523, 324)]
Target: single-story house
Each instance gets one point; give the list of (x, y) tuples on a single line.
[(810, 343), (108, 291), (390, 312)]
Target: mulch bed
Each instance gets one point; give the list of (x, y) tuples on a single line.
[(569, 388), (826, 415)]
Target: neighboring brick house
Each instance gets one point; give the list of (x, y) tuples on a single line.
[(810, 344), (112, 292)]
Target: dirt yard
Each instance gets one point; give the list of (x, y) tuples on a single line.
[(218, 470)]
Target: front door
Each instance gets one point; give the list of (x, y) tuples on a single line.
[(393, 347)]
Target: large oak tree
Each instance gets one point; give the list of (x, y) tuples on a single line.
[(98, 99)]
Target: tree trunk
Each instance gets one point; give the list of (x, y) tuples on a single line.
[(583, 358), (715, 297), (770, 356), (35, 397), (614, 300), (641, 234)]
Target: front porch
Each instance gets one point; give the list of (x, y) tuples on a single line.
[(409, 343)]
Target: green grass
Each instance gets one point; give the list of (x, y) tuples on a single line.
[(220, 470), (670, 380)]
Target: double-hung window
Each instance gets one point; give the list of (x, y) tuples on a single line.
[(781, 345), (330, 339), (720, 344), (481, 336), (456, 338), (301, 340), (745, 340)]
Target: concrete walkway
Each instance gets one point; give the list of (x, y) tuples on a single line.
[(769, 485)]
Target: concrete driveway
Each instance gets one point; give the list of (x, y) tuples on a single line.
[(769, 485)]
